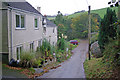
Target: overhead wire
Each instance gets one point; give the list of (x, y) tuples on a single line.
[(87, 2)]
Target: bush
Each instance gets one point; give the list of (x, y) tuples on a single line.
[(111, 53), (61, 44), (94, 38), (46, 48), (38, 62), (27, 59)]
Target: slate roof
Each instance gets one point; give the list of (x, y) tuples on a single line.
[(24, 6), (50, 23)]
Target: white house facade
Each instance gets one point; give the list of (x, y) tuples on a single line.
[(50, 31), (23, 28)]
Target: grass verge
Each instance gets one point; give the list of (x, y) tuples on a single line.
[(96, 68)]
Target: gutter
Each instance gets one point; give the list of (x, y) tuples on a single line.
[(11, 39)]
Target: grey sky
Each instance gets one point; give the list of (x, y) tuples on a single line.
[(51, 7)]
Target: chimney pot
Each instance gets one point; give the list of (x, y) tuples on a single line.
[(39, 9)]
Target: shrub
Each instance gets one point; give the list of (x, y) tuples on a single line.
[(62, 44), (46, 49), (27, 59), (111, 53), (94, 38), (38, 62)]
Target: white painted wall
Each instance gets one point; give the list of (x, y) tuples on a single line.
[(50, 35), (25, 36)]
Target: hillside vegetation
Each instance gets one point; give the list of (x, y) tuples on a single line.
[(108, 65), (101, 12)]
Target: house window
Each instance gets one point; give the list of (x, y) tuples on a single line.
[(53, 43), (49, 40), (44, 29), (20, 21), (36, 23), (18, 51), (40, 43), (32, 46), (53, 30), (17, 21)]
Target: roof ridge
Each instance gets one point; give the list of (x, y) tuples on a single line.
[(23, 6)]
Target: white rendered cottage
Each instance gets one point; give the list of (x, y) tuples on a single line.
[(21, 29)]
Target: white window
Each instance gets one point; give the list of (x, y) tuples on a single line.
[(49, 40), (40, 43), (19, 51), (53, 30), (44, 30), (32, 46), (20, 21), (53, 43), (36, 23)]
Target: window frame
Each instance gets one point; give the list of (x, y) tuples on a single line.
[(20, 21), (36, 28), (32, 46), (44, 30), (19, 50), (53, 30), (40, 43)]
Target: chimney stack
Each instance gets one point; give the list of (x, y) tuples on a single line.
[(39, 9)]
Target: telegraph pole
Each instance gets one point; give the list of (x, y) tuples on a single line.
[(89, 31)]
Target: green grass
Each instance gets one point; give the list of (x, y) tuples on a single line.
[(102, 11), (95, 68), (76, 14), (50, 18), (107, 66), (12, 73)]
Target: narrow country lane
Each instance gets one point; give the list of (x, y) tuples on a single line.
[(72, 68)]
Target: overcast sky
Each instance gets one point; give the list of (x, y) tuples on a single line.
[(51, 7)]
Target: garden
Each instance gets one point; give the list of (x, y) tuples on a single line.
[(46, 57)]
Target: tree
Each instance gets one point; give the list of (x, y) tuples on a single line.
[(80, 25), (106, 30), (116, 4)]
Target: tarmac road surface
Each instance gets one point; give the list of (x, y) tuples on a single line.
[(72, 68)]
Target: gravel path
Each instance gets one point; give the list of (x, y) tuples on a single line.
[(72, 68)]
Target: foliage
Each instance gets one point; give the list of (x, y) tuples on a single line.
[(106, 67), (38, 62), (95, 68), (27, 59), (106, 30), (111, 53), (94, 38), (80, 25), (45, 49), (77, 26), (102, 12), (61, 44)]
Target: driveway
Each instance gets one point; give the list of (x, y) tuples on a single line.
[(72, 68)]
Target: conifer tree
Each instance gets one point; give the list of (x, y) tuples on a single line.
[(107, 30)]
